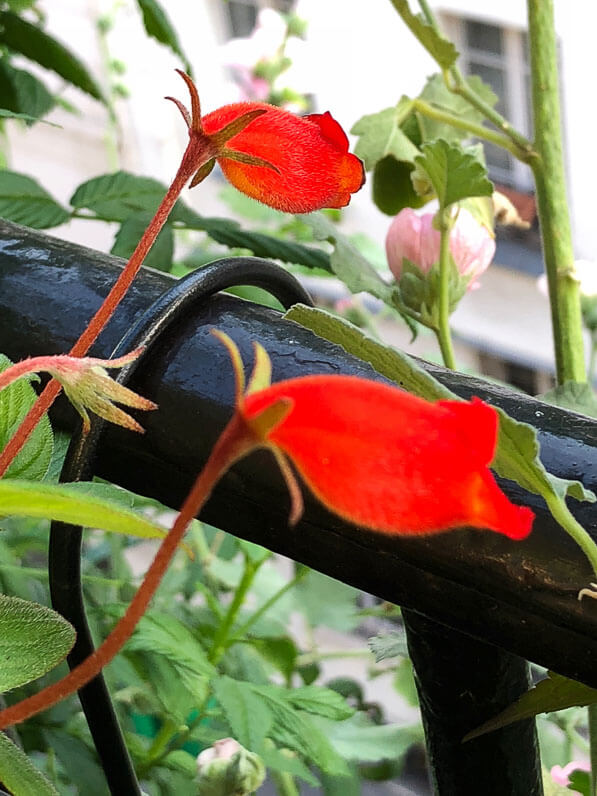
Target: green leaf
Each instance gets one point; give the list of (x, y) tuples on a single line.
[(392, 186), (158, 26), (285, 761), (388, 645), (380, 135), (347, 262), (436, 93), (320, 701), (33, 460), (24, 93), (438, 47), (6, 114), (29, 40), (553, 693), (68, 503), (33, 639), (325, 601), (19, 774), (281, 652), (358, 740), (250, 717), (79, 762), (576, 396), (517, 454), (454, 173), (160, 255), (24, 201)]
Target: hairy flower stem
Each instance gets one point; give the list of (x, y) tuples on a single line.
[(552, 206), (234, 443), (442, 332), (194, 157)]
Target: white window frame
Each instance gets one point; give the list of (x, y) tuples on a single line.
[(516, 71)]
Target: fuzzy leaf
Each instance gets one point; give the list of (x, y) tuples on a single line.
[(19, 774), (157, 25), (517, 454), (24, 201), (380, 135), (33, 639), (249, 717), (576, 396), (347, 262), (553, 693), (128, 236), (29, 40), (454, 173), (438, 47), (436, 93), (388, 645), (69, 503), (34, 459)]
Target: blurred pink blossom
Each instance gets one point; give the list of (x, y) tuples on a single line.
[(561, 774), (413, 236)]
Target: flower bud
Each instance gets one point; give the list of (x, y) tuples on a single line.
[(228, 769), (413, 236)]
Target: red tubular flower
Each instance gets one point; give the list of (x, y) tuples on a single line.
[(312, 167), (382, 458)]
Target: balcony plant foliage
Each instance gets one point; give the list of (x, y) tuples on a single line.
[(199, 674)]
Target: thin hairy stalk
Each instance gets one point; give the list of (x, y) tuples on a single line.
[(232, 445), (552, 205)]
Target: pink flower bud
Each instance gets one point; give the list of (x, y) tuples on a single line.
[(412, 236)]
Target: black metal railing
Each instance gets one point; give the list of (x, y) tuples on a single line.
[(477, 605)]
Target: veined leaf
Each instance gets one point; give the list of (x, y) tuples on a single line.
[(249, 717), (436, 93), (361, 741), (19, 774), (67, 503), (157, 25), (24, 201), (576, 396), (33, 639), (388, 645), (22, 92), (381, 135), (553, 693), (517, 454), (319, 701), (29, 40), (34, 458), (454, 172)]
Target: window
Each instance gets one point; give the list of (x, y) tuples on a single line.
[(242, 14), (499, 56)]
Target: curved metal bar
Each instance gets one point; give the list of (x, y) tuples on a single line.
[(65, 540)]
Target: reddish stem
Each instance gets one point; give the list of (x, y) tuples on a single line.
[(197, 153), (235, 442)]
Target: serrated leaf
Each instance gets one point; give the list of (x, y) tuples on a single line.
[(517, 454), (437, 94), (347, 262), (19, 774), (249, 717), (24, 201), (440, 48), (29, 40), (392, 186), (380, 135), (388, 645), (287, 762), (33, 460), (319, 701), (33, 639), (160, 255), (23, 92), (553, 693), (158, 26), (576, 396), (454, 173), (68, 503)]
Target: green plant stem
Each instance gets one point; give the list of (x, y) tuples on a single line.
[(159, 747), (592, 711), (552, 207), (442, 332), (459, 123), (221, 637), (592, 359), (242, 630), (563, 515), (285, 784)]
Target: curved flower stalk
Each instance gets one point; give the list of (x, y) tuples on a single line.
[(87, 385), (371, 453), (296, 164)]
